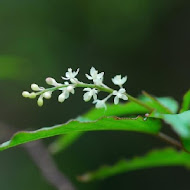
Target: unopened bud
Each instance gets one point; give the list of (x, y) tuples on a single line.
[(35, 87), (51, 81), (47, 95), (61, 97), (40, 101), (32, 95), (25, 94)]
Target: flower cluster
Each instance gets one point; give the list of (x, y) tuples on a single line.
[(71, 82)]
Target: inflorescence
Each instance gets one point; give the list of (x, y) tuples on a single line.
[(71, 82)]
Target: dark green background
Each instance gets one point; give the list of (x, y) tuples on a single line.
[(147, 40)]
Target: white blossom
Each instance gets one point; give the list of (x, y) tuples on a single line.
[(71, 75), (117, 80), (90, 90), (64, 95), (95, 77), (89, 94), (119, 95), (100, 103), (71, 89)]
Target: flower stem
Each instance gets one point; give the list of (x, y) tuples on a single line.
[(100, 88)]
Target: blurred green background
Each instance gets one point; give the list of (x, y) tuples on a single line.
[(147, 40)]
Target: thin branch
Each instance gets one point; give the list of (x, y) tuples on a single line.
[(42, 158), (170, 140), (45, 163)]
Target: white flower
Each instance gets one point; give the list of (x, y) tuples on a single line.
[(71, 75), (89, 94), (97, 78), (64, 95), (117, 80), (119, 95), (71, 89), (100, 103)]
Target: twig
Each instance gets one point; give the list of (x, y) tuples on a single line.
[(45, 163), (170, 140), (41, 158)]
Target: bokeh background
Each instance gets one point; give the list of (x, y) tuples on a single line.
[(147, 40)]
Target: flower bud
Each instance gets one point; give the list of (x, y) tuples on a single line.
[(47, 95), (51, 81), (32, 95), (40, 101), (61, 97), (25, 94), (35, 87)]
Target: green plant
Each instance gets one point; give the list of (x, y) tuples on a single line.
[(145, 114)]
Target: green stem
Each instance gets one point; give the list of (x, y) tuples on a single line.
[(103, 89)]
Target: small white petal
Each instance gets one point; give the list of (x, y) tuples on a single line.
[(89, 77), (70, 88), (66, 94), (93, 71), (95, 96), (122, 90), (65, 78), (74, 80), (87, 89), (76, 73), (124, 97), (115, 92), (66, 83), (100, 75), (124, 79), (116, 100), (86, 97)]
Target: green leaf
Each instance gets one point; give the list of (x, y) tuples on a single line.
[(165, 105), (151, 126), (156, 158), (130, 108), (169, 103), (180, 123), (186, 102)]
